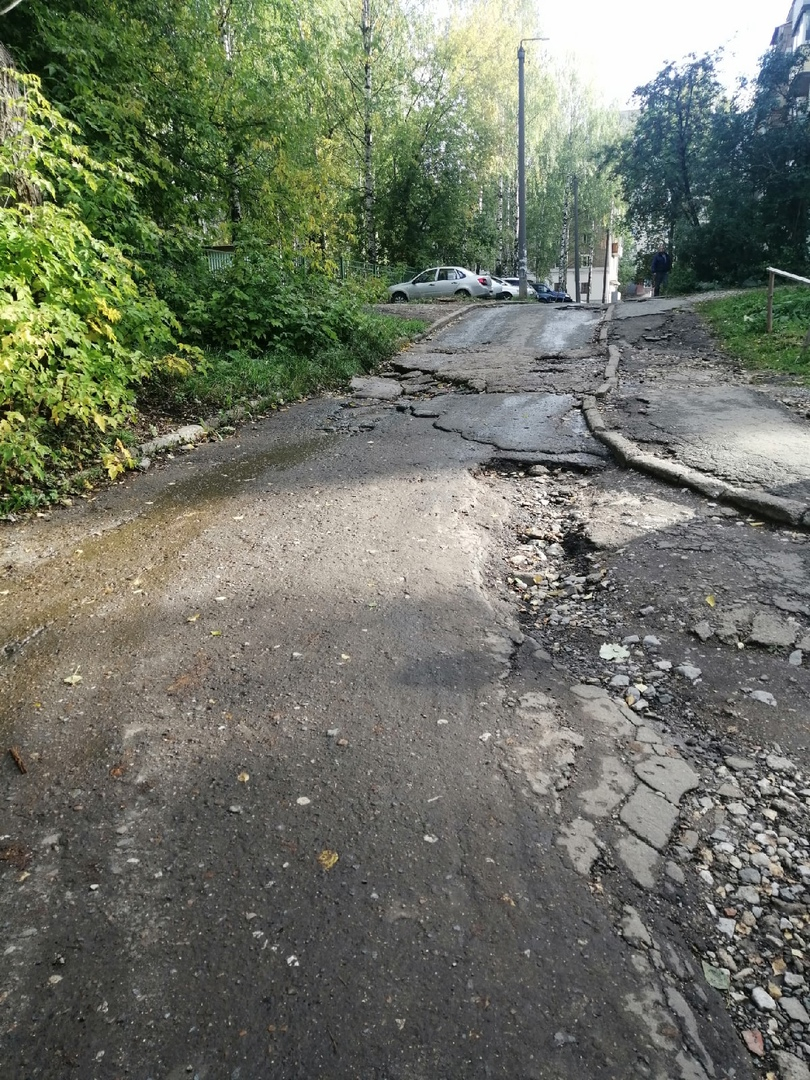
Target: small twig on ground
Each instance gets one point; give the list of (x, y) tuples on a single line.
[(18, 761)]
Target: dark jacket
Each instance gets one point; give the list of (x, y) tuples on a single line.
[(661, 263)]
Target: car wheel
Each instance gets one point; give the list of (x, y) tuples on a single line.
[(399, 298), (505, 296), (463, 294)]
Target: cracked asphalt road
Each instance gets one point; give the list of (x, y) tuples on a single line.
[(300, 798)]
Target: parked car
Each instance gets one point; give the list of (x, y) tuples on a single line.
[(442, 281), (544, 293), (550, 296), (504, 289)]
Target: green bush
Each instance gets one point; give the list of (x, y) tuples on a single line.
[(77, 333)]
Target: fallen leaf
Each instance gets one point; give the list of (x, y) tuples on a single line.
[(507, 899), (243, 777), (216, 633), (710, 600), (345, 656), (778, 966), (74, 679), (328, 858), (193, 618)]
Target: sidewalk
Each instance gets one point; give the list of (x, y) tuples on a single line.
[(672, 405)]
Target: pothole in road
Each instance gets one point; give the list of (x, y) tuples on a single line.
[(657, 575)]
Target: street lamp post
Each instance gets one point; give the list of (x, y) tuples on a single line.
[(522, 257)]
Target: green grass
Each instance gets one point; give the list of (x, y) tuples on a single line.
[(740, 324), (235, 377)]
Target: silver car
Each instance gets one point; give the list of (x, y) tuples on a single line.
[(504, 289), (442, 281)]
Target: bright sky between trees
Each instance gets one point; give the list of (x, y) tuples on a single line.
[(621, 46)]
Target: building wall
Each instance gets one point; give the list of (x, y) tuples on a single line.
[(593, 273)]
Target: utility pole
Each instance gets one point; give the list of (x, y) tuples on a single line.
[(522, 257), (577, 295)]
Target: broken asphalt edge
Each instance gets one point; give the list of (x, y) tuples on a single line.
[(190, 434), (629, 453)]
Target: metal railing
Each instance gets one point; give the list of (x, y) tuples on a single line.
[(772, 273)]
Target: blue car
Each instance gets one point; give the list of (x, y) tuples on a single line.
[(544, 294)]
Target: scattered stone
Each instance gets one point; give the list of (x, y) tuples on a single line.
[(791, 1067), (780, 764), (740, 764), (703, 630), (762, 999), (770, 631), (752, 1038), (375, 388), (796, 657), (689, 671), (795, 1010), (764, 696)]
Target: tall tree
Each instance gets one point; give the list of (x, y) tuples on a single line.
[(666, 162)]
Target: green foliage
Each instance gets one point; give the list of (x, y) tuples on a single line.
[(77, 334), (740, 322), (261, 379), (682, 279), (726, 181)]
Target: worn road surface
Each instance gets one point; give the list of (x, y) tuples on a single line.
[(326, 775)]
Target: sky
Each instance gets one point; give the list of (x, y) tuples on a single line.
[(624, 45)]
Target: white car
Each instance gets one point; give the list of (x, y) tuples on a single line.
[(442, 281), (504, 290)]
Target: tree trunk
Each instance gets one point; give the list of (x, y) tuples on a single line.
[(564, 236), (369, 224), (226, 41), (12, 112)]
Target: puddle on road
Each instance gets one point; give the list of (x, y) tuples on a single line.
[(48, 605)]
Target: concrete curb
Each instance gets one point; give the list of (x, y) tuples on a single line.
[(629, 453)]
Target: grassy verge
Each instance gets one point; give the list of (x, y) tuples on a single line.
[(740, 324), (237, 377), (224, 379)]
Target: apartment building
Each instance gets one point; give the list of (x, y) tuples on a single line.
[(792, 35)]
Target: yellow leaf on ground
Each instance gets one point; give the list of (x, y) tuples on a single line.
[(328, 858), (74, 679), (193, 618), (710, 601), (243, 777)]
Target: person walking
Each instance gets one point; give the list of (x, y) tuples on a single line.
[(661, 266)]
